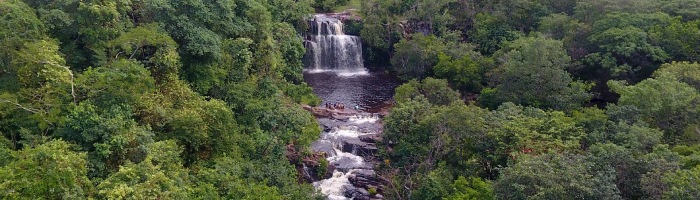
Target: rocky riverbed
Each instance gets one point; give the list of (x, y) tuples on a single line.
[(348, 145)]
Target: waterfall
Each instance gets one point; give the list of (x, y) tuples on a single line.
[(328, 48)]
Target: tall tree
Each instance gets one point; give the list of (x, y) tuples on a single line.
[(531, 72)]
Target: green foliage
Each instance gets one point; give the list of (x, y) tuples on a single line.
[(415, 58), (110, 137), (532, 73), (685, 72), (121, 82), (386, 23), (177, 99), (678, 39), (48, 171), (328, 5), (490, 33), (203, 127), (664, 103), (682, 184), (436, 91), (533, 131), (292, 50), (323, 167), (227, 175), (46, 86), (627, 50), (106, 76), (302, 94), (553, 176), (471, 189), (434, 185), (464, 73), (160, 175), (151, 47), (18, 25)]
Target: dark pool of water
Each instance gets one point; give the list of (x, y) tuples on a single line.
[(371, 91)]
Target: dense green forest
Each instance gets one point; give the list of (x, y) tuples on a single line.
[(141, 99), (565, 99), (199, 99)]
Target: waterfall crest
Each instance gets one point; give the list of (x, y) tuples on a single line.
[(328, 48)]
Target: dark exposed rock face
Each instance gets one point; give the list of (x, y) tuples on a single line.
[(365, 181), (374, 138), (360, 148)]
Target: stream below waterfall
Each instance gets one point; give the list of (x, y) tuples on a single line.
[(349, 142), (335, 71)]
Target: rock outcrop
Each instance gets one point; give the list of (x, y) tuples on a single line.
[(366, 185), (360, 148), (323, 112), (311, 168)]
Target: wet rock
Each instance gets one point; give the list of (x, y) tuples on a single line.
[(373, 138), (345, 165), (362, 192), (323, 146), (360, 148), (357, 193), (366, 179)]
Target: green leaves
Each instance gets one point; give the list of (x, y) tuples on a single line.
[(664, 103), (464, 73), (553, 176), (160, 175), (18, 24), (123, 82), (532, 73), (414, 58), (50, 170), (682, 184), (678, 39), (142, 132), (436, 91), (685, 72), (471, 189), (146, 44), (328, 5)]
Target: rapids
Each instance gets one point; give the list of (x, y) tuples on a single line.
[(335, 71)]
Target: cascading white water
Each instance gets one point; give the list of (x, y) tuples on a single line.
[(330, 49), (347, 162)]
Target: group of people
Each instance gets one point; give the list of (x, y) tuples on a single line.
[(339, 106)]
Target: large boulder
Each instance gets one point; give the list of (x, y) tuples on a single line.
[(373, 138), (364, 181), (358, 147), (322, 112)]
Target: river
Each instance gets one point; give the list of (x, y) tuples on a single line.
[(349, 142), (334, 70)]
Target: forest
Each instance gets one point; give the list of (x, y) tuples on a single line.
[(200, 99), (565, 99)]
